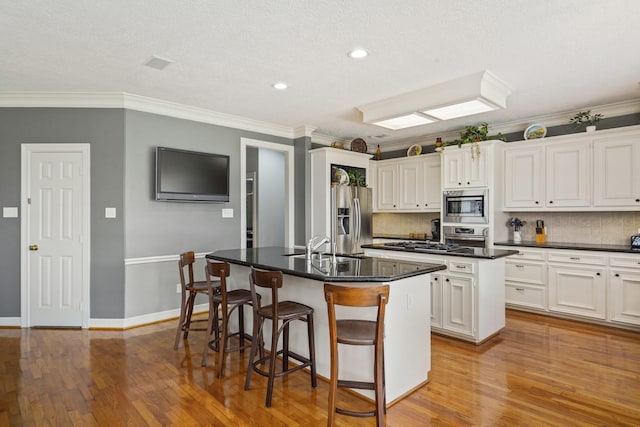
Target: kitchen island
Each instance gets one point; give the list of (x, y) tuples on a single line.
[(467, 300), (407, 328)]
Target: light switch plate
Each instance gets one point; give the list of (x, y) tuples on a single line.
[(10, 212), (109, 212), (227, 213)]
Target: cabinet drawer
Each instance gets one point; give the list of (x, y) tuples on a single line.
[(629, 261), (526, 295), (523, 271), (462, 267), (529, 254), (577, 258)]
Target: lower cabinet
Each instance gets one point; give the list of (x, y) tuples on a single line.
[(457, 304), (624, 289), (436, 300), (577, 290)]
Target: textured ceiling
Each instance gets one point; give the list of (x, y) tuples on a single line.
[(557, 55)]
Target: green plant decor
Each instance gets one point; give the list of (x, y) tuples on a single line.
[(356, 178), (585, 118), (473, 135)]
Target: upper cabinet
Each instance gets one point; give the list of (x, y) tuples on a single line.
[(409, 184), (594, 171), (616, 171), (463, 167)]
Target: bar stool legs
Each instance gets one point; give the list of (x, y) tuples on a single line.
[(285, 311), (357, 332)]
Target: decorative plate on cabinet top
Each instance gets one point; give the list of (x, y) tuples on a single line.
[(358, 145), (342, 177), (535, 131), (414, 150)]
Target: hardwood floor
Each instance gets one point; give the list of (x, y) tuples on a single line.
[(539, 371)]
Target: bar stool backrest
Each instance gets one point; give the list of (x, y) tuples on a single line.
[(370, 296), (187, 259), (265, 279)]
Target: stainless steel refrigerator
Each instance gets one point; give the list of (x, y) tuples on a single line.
[(351, 218)]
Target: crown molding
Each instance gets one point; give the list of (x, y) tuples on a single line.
[(303, 131), (140, 103)]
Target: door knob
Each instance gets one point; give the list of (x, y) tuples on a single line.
[(33, 247)]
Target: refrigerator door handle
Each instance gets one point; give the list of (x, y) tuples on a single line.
[(357, 218)]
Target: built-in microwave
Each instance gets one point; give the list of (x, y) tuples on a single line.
[(466, 206)]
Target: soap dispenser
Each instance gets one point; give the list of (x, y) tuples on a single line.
[(635, 241)]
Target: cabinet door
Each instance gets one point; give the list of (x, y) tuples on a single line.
[(431, 183), (475, 167), (568, 175), (624, 297), (457, 306), (436, 300), (386, 186), (410, 187), (524, 177), (616, 177), (452, 168), (576, 289)]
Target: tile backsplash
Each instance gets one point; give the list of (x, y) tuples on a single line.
[(608, 228), (403, 223)]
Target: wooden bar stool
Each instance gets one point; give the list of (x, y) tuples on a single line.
[(357, 332), (285, 311), (228, 301), (190, 289)]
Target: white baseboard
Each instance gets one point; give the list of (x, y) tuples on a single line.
[(132, 322), (10, 321)]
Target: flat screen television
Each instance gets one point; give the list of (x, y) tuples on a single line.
[(191, 176)]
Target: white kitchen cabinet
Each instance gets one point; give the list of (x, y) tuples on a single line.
[(462, 167), (526, 279), (568, 174), (321, 161), (467, 299), (408, 184), (524, 177), (616, 175), (431, 183), (577, 284), (436, 300), (624, 289), (411, 183), (458, 304), (386, 184)]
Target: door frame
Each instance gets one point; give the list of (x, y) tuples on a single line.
[(288, 151), (26, 150)]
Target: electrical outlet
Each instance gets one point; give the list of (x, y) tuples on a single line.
[(178, 288)]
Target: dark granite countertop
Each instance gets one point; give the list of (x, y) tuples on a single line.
[(347, 269), (468, 252), (423, 237), (572, 246)]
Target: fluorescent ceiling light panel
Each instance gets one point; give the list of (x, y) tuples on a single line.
[(462, 109), (472, 94), (403, 122)]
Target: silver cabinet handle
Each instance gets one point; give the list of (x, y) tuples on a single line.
[(519, 266), (575, 258)]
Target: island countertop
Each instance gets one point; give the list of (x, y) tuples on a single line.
[(348, 269)]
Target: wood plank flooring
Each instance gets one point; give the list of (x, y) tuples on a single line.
[(539, 371)]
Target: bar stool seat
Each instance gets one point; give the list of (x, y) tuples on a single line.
[(190, 290), (285, 311), (229, 301), (357, 332)]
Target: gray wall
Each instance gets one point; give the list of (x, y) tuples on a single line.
[(302, 189), (122, 176), (104, 130)]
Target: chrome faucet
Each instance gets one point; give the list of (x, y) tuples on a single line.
[(312, 247)]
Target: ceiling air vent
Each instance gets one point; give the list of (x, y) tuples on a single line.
[(158, 63)]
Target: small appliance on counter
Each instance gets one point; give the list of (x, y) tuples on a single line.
[(635, 241), (435, 230)]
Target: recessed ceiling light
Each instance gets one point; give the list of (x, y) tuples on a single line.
[(358, 53), (280, 85)]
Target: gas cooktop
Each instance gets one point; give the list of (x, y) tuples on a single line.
[(426, 246)]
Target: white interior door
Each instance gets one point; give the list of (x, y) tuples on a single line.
[(56, 250)]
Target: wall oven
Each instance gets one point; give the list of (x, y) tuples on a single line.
[(465, 235), (466, 206)]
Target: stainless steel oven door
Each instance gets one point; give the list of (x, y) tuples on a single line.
[(466, 206), (466, 236)]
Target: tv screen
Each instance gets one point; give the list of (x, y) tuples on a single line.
[(190, 176)]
